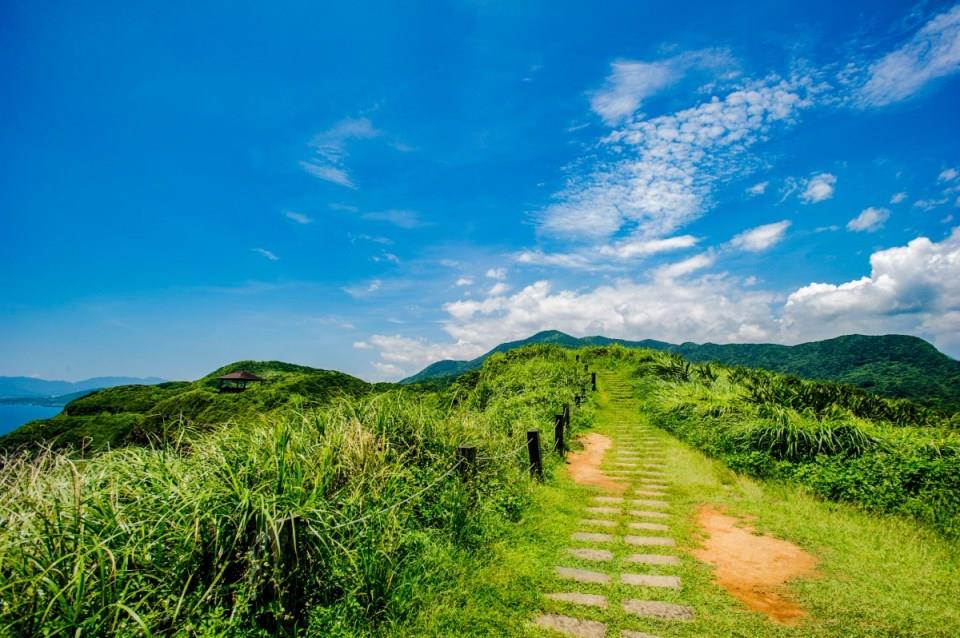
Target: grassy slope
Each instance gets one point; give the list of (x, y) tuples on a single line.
[(137, 413), (878, 576)]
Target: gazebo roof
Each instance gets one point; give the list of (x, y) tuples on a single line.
[(241, 375)]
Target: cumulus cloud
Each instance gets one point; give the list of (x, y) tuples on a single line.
[(819, 188), (869, 220), (464, 281), (498, 289), (329, 150), (660, 172), (761, 238), (933, 52), (758, 189), (898, 197), (497, 273), (912, 289)]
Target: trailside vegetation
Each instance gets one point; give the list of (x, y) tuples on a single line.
[(840, 442), (338, 520)]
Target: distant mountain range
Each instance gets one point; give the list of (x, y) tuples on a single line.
[(891, 365), (44, 392)]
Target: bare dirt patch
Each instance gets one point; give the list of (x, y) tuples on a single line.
[(584, 466), (753, 567)]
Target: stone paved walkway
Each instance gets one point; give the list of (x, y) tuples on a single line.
[(621, 553)]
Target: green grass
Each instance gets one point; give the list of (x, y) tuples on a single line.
[(877, 576)]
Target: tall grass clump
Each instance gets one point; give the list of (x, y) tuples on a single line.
[(330, 522)]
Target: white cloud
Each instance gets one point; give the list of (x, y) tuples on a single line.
[(328, 173), (400, 218), (630, 82), (913, 289), (265, 253), (497, 273), (300, 218), (562, 260), (498, 289), (758, 189), (949, 174), (464, 281), (869, 220), (930, 204), (761, 238), (361, 345), (898, 197), (933, 52), (819, 188), (362, 291), (685, 267), (329, 150), (635, 247), (659, 173)]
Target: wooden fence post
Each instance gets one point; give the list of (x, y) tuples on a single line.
[(467, 456), (593, 380), (558, 444), (533, 449), (566, 415)]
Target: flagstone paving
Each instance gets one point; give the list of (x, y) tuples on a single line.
[(613, 583)]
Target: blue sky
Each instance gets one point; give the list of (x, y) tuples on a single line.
[(371, 187)]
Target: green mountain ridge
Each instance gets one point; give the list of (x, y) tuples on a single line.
[(899, 366), (135, 413)]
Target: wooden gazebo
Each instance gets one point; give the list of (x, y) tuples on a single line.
[(237, 381)]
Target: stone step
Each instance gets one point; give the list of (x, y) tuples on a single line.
[(652, 559), (649, 493), (596, 555), (602, 510), (592, 537), (583, 575), (657, 609), (651, 580), (593, 600), (649, 502), (647, 514), (597, 522), (607, 499), (649, 540), (626, 633), (570, 626), (656, 527)]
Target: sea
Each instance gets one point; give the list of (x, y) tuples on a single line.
[(13, 416)]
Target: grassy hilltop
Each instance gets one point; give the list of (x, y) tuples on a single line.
[(136, 413)]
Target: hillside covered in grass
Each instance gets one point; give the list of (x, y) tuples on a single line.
[(337, 520), (137, 413), (897, 366), (840, 442)]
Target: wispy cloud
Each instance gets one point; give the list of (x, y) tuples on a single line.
[(329, 150), (497, 273), (630, 82), (636, 247), (761, 238), (265, 253), (819, 188), (300, 218), (870, 220), (464, 281), (898, 197), (950, 174), (400, 218), (758, 189), (933, 52)]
